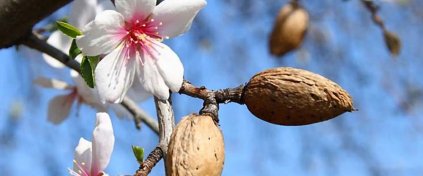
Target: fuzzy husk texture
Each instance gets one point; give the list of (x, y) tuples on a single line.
[(289, 96), (196, 148)]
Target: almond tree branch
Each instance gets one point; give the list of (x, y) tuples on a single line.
[(392, 41), (166, 124), (153, 158), (212, 98), (17, 17), (139, 115), (222, 96), (36, 43)]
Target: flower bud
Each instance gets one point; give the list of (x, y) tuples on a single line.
[(195, 148), (289, 29), (289, 96)]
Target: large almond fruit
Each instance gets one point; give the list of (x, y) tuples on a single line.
[(289, 96), (289, 29), (196, 148)]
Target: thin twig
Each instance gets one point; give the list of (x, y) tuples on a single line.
[(212, 98), (36, 43), (139, 115), (373, 9), (153, 158), (166, 125), (222, 96), (392, 41)]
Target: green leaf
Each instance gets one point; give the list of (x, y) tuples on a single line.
[(74, 50), (87, 71), (93, 62), (138, 153), (68, 29)]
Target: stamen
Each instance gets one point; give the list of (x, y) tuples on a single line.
[(81, 170)]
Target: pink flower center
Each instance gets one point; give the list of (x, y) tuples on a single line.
[(142, 37)]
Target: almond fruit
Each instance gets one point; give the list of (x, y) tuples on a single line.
[(289, 29), (196, 148), (289, 96)]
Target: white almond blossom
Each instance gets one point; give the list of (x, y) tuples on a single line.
[(131, 37), (82, 12), (59, 107), (91, 158)]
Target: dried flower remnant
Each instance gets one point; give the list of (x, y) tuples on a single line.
[(393, 43)]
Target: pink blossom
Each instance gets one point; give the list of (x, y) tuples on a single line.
[(91, 159), (131, 38)]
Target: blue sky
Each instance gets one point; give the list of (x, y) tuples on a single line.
[(226, 45)]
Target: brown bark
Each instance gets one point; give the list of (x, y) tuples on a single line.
[(17, 17)]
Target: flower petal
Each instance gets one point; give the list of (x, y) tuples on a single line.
[(103, 141), (151, 78), (61, 42), (137, 92), (104, 5), (52, 83), (103, 34), (170, 67), (82, 157), (82, 12), (114, 76), (176, 15), (135, 9), (59, 108)]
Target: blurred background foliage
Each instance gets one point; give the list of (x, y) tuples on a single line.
[(226, 45)]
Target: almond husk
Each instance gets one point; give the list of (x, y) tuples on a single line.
[(289, 29), (196, 148), (289, 96)]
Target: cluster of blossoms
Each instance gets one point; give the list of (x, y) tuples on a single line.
[(134, 62), (83, 11)]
